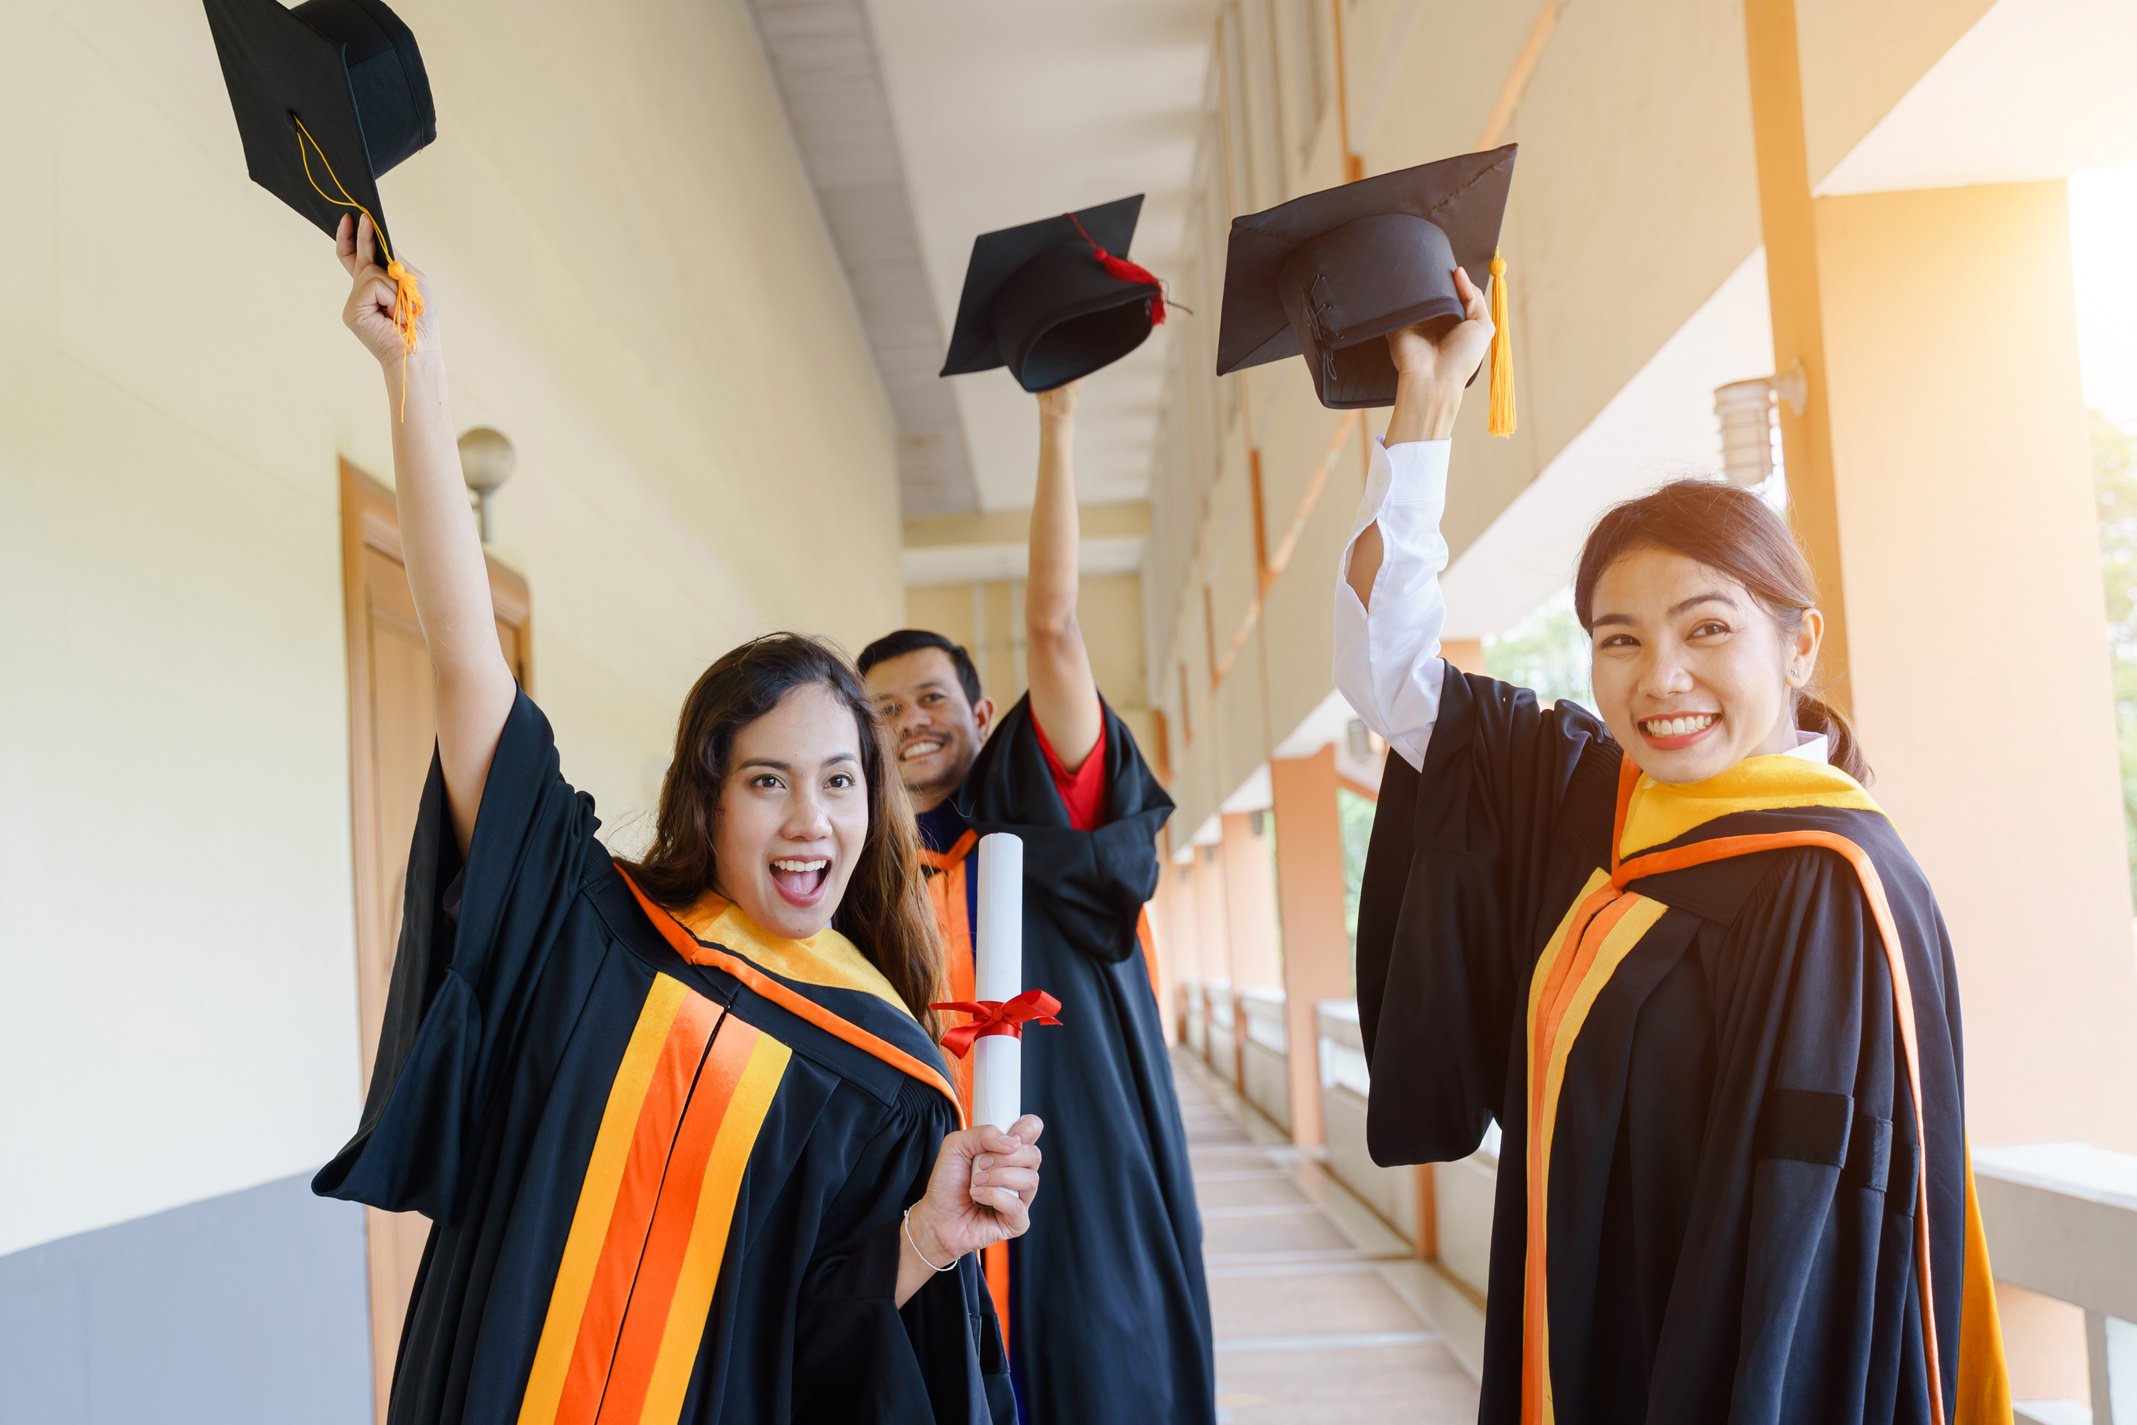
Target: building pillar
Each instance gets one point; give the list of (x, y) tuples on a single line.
[(1179, 947), (1309, 895), (1212, 935), (1939, 477), (1968, 533), (1250, 921), (1466, 654)]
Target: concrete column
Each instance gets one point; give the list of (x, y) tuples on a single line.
[(1250, 922), (1250, 902), (1940, 480), (1466, 654), (1309, 886), (1179, 951), (1964, 496), (1213, 934)]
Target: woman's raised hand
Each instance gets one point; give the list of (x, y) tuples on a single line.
[(369, 311), (1429, 376), (1458, 351)]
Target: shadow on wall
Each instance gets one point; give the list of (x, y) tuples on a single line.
[(246, 1309)]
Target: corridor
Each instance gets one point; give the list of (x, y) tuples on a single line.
[(1323, 1315)]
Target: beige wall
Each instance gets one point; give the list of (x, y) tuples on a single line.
[(634, 286), (1633, 201), (988, 619), (1636, 137)]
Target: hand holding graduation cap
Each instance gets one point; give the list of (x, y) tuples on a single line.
[(1432, 371), (370, 308), (1456, 353)]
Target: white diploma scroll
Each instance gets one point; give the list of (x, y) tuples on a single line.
[(998, 974)]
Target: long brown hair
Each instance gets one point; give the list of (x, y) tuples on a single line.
[(885, 910), (1731, 531)]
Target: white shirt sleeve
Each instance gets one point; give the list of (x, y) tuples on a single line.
[(1387, 661)]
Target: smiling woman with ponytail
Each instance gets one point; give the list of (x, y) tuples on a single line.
[(1680, 956)]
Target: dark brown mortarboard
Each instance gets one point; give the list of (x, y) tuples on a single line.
[(1329, 275), (1055, 299)]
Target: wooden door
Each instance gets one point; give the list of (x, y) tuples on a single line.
[(392, 727)]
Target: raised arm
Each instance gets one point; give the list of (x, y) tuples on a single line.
[(1389, 611), (1064, 693), (1429, 379), (439, 543)]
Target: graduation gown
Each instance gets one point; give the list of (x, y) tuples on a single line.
[(1108, 1315), (665, 1170), (1718, 1025)]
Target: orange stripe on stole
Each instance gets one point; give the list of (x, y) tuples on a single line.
[(643, 1061), (661, 1263), (637, 1196), (1604, 924), (682, 1339)]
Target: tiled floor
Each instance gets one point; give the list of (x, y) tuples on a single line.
[(1322, 1315)]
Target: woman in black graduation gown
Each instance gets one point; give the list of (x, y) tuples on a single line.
[(1680, 956), (689, 1154)]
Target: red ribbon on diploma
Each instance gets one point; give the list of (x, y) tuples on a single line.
[(993, 1016)]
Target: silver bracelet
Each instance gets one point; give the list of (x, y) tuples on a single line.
[(907, 1221)]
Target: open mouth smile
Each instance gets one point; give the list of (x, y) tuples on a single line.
[(801, 880)]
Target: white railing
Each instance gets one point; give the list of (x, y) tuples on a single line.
[(1391, 1192), (1264, 1054), (1222, 1049), (2061, 1219), (1194, 1017)]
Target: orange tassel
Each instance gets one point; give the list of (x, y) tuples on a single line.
[(407, 311), (407, 296), (1502, 354)]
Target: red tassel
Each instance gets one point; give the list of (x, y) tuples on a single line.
[(1122, 270)]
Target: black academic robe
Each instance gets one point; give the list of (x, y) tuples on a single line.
[(1109, 1317), (1701, 1016), (665, 1176)]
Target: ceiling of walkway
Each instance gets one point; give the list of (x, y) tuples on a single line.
[(990, 113)]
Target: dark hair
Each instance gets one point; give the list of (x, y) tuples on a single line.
[(885, 910), (912, 640), (1731, 531)]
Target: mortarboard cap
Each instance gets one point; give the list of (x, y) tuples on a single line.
[(1055, 299), (1327, 276), (349, 72)]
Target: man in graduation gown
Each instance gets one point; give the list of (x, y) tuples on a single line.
[(1104, 1299), (664, 1155)]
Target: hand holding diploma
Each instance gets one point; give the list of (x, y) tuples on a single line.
[(978, 1194)]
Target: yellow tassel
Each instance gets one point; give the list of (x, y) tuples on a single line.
[(407, 311), (407, 296), (1502, 354)]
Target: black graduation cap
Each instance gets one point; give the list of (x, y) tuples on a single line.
[(349, 73), (1055, 299), (1330, 274)]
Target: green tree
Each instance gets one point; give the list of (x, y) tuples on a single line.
[(1547, 652), (2114, 467)]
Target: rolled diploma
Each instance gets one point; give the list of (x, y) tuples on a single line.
[(998, 974)]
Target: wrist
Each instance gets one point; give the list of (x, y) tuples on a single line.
[(924, 1241), (1425, 407)]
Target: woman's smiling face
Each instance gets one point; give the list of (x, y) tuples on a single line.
[(1692, 674), (793, 813)]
